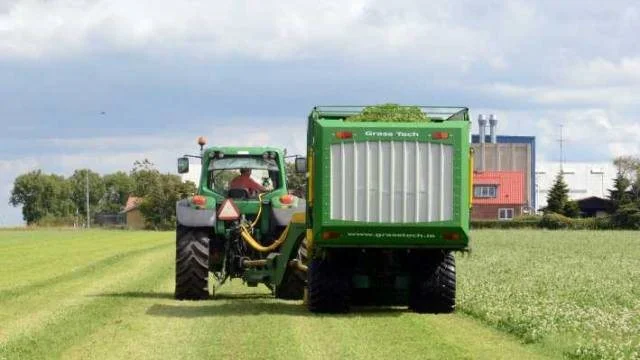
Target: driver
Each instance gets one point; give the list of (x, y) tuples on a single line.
[(244, 181)]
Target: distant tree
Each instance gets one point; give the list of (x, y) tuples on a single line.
[(160, 192), (41, 195), (159, 204), (145, 177), (296, 182), (54, 199), (118, 186), (619, 195), (634, 192), (78, 184), (627, 217), (558, 196), (628, 166), (571, 209), (625, 194)]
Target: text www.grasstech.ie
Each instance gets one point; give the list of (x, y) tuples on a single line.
[(396, 235)]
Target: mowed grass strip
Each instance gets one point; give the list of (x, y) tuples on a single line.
[(247, 323), (24, 315), (576, 292), (38, 257)]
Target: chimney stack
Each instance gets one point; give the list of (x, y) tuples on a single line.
[(493, 123), (482, 124)]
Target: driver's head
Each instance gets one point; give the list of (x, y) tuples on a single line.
[(245, 171)]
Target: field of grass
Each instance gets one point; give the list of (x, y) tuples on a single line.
[(522, 294), (574, 291)]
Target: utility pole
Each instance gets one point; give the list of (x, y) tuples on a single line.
[(561, 140), (87, 196)]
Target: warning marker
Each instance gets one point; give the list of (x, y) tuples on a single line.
[(228, 210)]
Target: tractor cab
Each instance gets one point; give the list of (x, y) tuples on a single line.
[(244, 176)]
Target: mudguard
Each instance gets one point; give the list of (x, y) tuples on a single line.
[(189, 216), (282, 216)]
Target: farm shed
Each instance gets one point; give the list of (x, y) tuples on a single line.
[(594, 206), (134, 218)]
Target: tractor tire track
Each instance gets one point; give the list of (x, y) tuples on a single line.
[(75, 274)]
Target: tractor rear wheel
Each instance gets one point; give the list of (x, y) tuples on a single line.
[(329, 285), (292, 287), (295, 280), (433, 282), (192, 264)]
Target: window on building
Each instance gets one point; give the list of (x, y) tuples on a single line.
[(505, 214), (485, 191)]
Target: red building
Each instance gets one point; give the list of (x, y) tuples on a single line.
[(497, 195)]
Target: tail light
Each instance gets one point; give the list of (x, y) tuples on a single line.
[(452, 236), (199, 200), (328, 235), (440, 135), (286, 199), (344, 135)]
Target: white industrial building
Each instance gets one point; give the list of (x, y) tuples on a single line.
[(583, 179)]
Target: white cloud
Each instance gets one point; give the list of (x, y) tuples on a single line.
[(269, 30), (621, 95), (277, 133), (590, 134), (600, 71), (454, 33)]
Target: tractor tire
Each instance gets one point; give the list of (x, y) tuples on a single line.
[(292, 287), (295, 280), (192, 264), (329, 289), (433, 283)]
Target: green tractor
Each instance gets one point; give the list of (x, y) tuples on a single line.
[(241, 224), (387, 205)]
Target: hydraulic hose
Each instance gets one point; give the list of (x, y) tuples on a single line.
[(253, 224), (246, 236)]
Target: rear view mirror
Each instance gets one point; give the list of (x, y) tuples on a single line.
[(183, 165), (301, 165)]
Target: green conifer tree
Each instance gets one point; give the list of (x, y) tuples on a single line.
[(558, 196), (619, 195)]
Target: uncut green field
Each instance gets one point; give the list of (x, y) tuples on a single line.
[(577, 292), (522, 295)]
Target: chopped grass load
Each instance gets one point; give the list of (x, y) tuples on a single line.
[(390, 113)]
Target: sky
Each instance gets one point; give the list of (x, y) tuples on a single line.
[(102, 83)]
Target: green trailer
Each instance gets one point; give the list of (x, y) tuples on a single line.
[(387, 205)]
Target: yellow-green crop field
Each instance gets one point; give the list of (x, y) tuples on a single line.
[(522, 294)]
